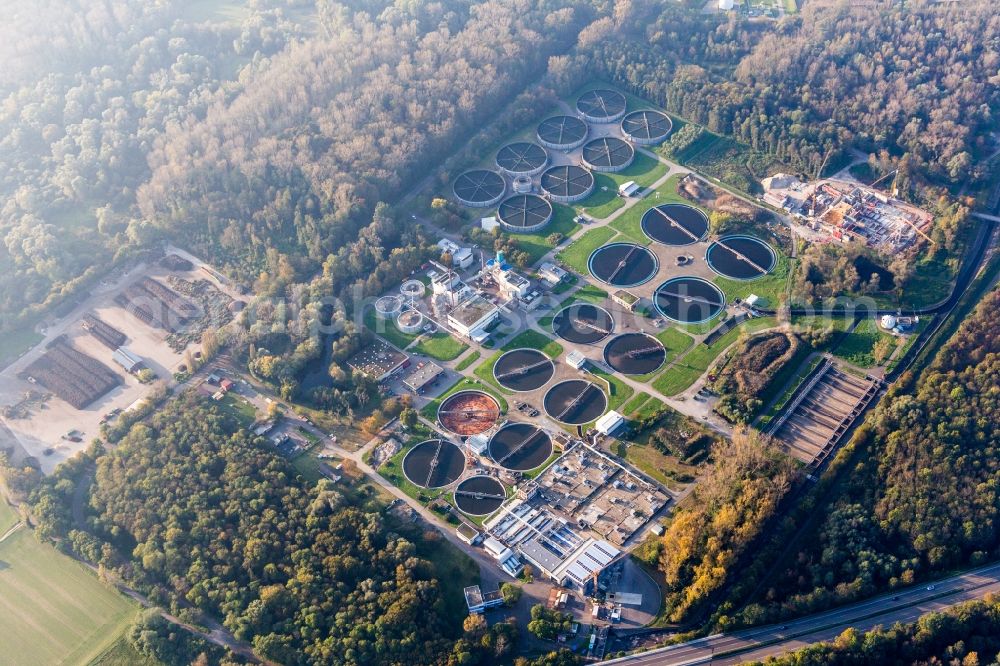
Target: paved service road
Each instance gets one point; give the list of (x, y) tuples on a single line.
[(903, 606)]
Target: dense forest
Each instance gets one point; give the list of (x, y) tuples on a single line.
[(923, 499), (195, 514), (968, 635), (727, 510), (264, 145), (918, 81)]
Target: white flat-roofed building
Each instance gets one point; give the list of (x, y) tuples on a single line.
[(478, 601), (609, 423), (629, 189), (421, 375), (513, 284), (473, 316), (463, 258), (552, 274), (576, 360)]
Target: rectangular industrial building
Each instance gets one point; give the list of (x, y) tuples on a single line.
[(378, 360), (421, 376), (127, 360), (551, 545), (478, 601), (473, 316)]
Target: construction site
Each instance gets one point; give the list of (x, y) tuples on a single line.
[(848, 210)]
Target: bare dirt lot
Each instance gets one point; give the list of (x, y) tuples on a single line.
[(52, 430)]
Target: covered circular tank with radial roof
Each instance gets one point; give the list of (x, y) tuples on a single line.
[(601, 105), (607, 154), (522, 158), (562, 132), (567, 183), (479, 188), (524, 213), (646, 127)]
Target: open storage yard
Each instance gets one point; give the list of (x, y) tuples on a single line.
[(56, 396)]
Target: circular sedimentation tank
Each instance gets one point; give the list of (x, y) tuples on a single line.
[(412, 289), (635, 353), (575, 402), (674, 224), (646, 127), (741, 257), (479, 188), (468, 413), (434, 463), (479, 495), (388, 306), (562, 132), (520, 447), (607, 154), (523, 370), (623, 264), (522, 159), (601, 105), (583, 323), (567, 183), (410, 322), (524, 213), (689, 300)]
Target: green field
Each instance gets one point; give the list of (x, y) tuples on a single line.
[(387, 329), (618, 391), (239, 409), (467, 361), (856, 347), (771, 287), (216, 11), (537, 244), (535, 340), (440, 346), (122, 654), (591, 293), (675, 340), (8, 516), (52, 609), (576, 255), (644, 170), (634, 404)]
